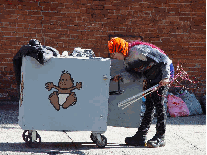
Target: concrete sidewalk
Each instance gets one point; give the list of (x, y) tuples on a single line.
[(184, 135)]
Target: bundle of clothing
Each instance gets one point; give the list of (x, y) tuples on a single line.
[(78, 52), (34, 49)]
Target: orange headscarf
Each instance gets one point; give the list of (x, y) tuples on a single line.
[(118, 45)]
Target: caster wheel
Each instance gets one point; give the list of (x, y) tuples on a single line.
[(25, 134), (93, 138), (102, 143), (30, 143)]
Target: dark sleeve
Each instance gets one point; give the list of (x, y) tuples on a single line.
[(135, 75), (17, 61)]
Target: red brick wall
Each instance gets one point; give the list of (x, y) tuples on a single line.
[(176, 26)]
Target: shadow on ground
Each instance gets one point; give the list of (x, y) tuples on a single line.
[(58, 147)]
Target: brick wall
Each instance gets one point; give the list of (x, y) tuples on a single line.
[(176, 26)]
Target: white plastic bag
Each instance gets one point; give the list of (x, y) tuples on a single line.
[(191, 102)]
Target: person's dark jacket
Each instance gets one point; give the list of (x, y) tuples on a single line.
[(149, 62)]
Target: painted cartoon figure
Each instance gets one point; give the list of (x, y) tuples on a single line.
[(64, 96)]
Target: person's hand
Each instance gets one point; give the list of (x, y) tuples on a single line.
[(116, 78), (164, 82), (136, 69)]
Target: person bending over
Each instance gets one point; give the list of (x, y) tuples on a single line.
[(145, 59)]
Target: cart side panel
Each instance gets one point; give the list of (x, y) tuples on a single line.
[(89, 113), (130, 116)]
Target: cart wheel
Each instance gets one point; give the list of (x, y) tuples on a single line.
[(102, 143), (93, 138), (28, 140), (25, 134)]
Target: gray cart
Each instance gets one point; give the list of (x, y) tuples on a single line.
[(69, 94)]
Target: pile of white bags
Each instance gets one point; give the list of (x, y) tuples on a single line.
[(192, 103)]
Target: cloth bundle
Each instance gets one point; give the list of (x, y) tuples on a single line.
[(34, 49), (78, 52)]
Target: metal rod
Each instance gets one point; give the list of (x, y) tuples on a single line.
[(135, 96), (130, 102), (119, 84)]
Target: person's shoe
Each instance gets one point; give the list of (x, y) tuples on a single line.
[(139, 139), (157, 141)]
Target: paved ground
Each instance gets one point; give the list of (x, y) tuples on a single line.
[(184, 135)]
